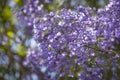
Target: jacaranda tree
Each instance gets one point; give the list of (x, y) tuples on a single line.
[(69, 40)]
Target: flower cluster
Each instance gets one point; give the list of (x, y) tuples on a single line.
[(27, 14), (109, 25), (78, 44)]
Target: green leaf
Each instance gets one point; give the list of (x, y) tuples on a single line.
[(21, 50), (7, 14), (100, 39), (10, 34), (19, 2)]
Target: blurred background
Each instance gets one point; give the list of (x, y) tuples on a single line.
[(16, 38)]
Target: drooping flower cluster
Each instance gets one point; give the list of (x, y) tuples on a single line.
[(28, 13), (78, 44), (109, 25)]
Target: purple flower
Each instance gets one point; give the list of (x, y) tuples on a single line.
[(77, 42)]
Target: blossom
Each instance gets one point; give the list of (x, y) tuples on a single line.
[(76, 43)]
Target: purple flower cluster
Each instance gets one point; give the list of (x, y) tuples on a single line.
[(30, 11), (27, 14), (78, 43), (108, 22)]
